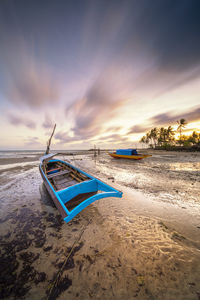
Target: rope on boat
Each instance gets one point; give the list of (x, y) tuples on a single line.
[(54, 284)]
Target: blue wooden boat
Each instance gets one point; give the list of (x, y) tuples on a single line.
[(71, 188)]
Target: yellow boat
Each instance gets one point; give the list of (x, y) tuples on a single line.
[(128, 153), (137, 157)]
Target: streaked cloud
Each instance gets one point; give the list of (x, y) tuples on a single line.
[(190, 130), (166, 119), (171, 117), (21, 121), (32, 141), (138, 129), (170, 30), (65, 138), (48, 123), (29, 81), (113, 138), (79, 62), (32, 87), (113, 128), (100, 104)]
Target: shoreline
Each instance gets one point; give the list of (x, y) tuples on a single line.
[(177, 149)]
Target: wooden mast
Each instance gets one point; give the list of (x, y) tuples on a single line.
[(49, 141)]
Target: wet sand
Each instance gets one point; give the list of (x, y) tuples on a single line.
[(143, 246)]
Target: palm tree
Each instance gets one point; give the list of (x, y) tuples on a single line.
[(181, 124), (148, 138), (154, 135), (163, 135), (145, 139), (170, 134), (198, 139)]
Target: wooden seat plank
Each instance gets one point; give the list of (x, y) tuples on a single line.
[(66, 185), (53, 170), (58, 174)]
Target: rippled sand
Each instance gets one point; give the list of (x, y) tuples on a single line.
[(143, 246)]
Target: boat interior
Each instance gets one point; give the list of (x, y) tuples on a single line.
[(61, 176)]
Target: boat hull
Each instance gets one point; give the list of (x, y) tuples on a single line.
[(72, 189), (134, 157)]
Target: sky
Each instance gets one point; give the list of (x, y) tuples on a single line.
[(105, 71)]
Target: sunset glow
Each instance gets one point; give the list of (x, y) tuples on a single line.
[(97, 70)]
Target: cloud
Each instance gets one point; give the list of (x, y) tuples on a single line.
[(113, 138), (170, 117), (170, 30), (18, 120), (99, 105), (138, 129), (32, 87), (28, 80), (48, 123), (113, 128), (166, 119), (32, 141), (191, 129), (65, 138)]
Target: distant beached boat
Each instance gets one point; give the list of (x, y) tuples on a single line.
[(128, 153), (71, 188)]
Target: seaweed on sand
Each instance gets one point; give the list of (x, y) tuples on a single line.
[(16, 279)]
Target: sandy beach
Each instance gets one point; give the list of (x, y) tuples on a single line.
[(145, 245)]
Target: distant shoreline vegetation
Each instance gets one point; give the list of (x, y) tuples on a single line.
[(164, 138)]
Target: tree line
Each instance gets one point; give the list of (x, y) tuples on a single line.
[(165, 137)]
